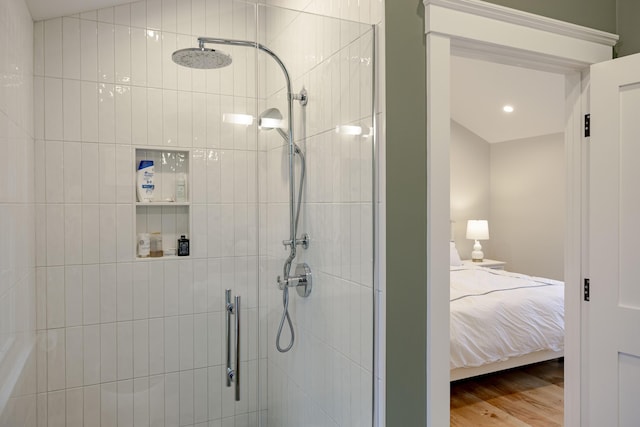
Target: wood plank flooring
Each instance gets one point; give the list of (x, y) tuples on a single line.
[(531, 396)]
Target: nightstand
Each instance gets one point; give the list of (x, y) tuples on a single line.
[(489, 263)]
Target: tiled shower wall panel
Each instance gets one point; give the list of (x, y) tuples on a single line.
[(327, 378), (17, 219), (124, 341)]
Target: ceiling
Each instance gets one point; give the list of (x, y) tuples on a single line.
[(480, 89), (45, 9)]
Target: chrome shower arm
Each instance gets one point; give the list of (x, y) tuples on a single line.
[(256, 45), (290, 99)]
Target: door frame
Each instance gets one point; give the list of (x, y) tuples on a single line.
[(481, 30)]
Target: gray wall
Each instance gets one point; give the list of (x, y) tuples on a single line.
[(527, 201), (519, 186), (470, 186)]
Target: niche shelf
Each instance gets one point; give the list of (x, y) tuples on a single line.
[(163, 213)]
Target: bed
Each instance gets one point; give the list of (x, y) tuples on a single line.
[(501, 320)]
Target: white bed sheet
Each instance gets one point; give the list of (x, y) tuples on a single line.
[(496, 315)]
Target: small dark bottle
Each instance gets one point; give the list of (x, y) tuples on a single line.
[(183, 246)]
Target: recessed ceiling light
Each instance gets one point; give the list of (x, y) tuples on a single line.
[(507, 109)]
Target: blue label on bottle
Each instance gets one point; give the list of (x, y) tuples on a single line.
[(145, 164)]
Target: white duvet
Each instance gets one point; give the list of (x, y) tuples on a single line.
[(496, 315)]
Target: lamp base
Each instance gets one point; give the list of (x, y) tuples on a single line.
[(477, 255)]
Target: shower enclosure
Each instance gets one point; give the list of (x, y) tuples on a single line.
[(162, 341)]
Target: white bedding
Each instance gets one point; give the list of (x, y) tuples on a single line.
[(496, 315)]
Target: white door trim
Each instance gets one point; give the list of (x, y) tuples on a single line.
[(438, 195), (496, 33)]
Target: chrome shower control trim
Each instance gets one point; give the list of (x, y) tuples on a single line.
[(301, 281), (303, 241), (303, 271)]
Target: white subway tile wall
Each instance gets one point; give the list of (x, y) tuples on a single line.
[(127, 342), (18, 290), (327, 378)]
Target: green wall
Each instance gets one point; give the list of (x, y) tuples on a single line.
[(628, 27), (405, 131), (614, 16), (406, 294), (598, 14)]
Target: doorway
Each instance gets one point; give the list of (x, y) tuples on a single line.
[(507, 167), (503, 35)]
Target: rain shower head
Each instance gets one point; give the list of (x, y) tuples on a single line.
[(270, 118), (201, 58)]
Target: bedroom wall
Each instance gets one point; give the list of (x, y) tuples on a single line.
[(527, 201), (512, 184), (470, 186)]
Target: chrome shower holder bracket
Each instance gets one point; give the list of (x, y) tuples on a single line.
[(302, 96), (303, 241)]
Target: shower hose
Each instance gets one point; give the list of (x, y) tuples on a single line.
[(287, 264)]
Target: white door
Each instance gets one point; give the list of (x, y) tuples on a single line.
[(613, 362)]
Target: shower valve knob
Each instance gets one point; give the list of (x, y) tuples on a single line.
[(290, 282)]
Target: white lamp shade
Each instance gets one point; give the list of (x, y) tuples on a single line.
[(478, 229)]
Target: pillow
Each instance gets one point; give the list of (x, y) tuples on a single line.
[(454, 256)]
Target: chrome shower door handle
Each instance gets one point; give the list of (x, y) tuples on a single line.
[(228, 308), (237, 371), (233, 309)]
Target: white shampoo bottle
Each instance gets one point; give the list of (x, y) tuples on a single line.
[(145, 185)]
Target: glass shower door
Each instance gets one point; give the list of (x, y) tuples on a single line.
[(326, 378), (302, 360)]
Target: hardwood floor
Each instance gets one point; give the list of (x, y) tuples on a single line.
[(522, 397)]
